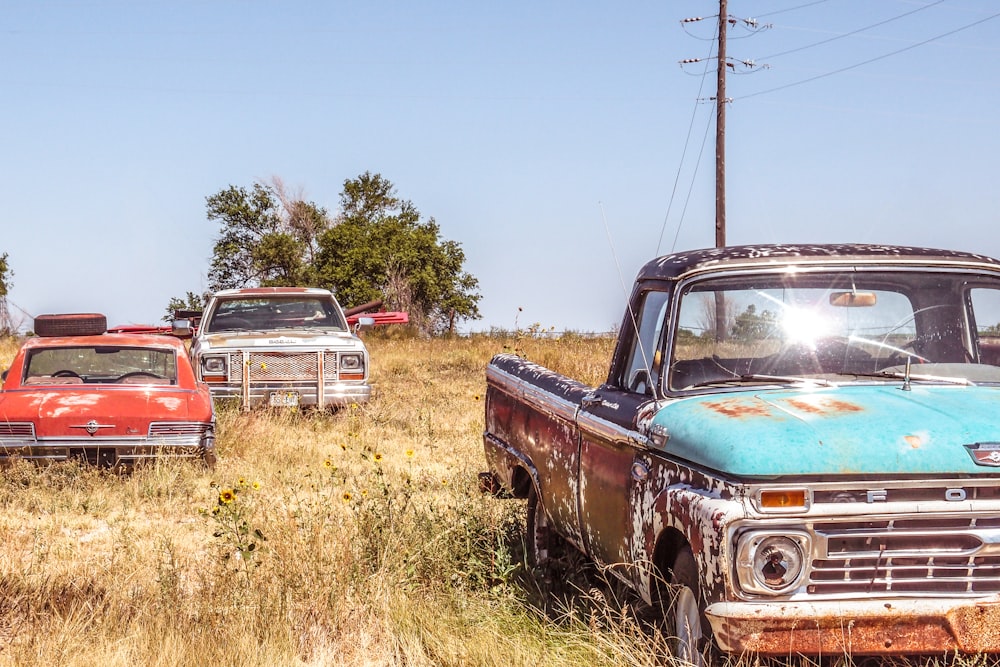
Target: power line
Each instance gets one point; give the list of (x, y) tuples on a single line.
[(792, 9), (872, 60), (680, 164), (854, 32)]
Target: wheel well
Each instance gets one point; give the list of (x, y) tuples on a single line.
[(520, 482), (668, 544)]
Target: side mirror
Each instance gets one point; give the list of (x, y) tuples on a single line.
[(181, 328), (364, 324)]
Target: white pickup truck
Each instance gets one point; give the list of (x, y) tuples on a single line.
[(281, 347)]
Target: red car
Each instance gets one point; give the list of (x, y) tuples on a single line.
[(112, 399)]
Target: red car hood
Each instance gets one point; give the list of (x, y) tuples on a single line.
[(118, 411)]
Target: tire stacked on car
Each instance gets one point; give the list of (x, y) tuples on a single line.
[(71, 324)]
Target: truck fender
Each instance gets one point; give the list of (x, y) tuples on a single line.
[(682, 515), (515, 472)]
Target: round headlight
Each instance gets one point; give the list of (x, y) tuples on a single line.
[(777, 562), (772, 563)]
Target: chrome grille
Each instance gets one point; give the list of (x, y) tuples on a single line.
[(167, 429), (271, 366), (330, 361), (908, 556), (287, 366), (17, 431)]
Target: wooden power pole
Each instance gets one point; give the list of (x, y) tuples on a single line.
[(720, 131)]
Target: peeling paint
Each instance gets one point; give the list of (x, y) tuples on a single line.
[(739, 407), (868, 488)]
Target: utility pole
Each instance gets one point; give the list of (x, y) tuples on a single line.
[(722, 63), (720, 130), (720, 141)]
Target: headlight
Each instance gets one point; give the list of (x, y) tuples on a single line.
[(213, 365), (351, 362), (771, 563)]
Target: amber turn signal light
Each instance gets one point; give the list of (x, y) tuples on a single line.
[(783, 499)]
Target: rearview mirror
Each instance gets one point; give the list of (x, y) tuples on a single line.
[(853, 299)]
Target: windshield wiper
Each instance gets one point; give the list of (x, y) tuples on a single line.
[(755, 378), (896, 375)]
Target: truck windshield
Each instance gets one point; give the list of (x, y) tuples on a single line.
[(268, 313), (861, 324)]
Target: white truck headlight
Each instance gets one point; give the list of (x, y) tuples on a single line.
[(351, 362), (771, 563), (213, 365)]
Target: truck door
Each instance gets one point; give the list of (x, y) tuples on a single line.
[(609, 441)]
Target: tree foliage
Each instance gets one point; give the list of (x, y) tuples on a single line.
[(751, 325), (7, 325), (6, 276), (263, 240), (377, 248), (380, 249), (191, 301)]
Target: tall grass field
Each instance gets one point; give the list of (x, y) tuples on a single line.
[(357, 537)]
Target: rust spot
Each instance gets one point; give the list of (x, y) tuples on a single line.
[(738, 408), (823, 405), (967, 629), (913, 441)]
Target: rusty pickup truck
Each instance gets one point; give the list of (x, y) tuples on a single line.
[(796, 451)]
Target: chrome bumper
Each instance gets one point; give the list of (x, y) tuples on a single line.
[(339, 394), (858, 627)]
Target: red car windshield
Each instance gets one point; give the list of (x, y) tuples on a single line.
[(100, 364)]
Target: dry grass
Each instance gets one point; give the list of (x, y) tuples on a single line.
[(355, 538)]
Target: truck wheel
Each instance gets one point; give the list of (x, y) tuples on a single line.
[(684, 617), (546, 551), (75, 324)]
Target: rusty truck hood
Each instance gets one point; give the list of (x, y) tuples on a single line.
[(845, 430)]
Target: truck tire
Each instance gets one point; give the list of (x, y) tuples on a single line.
[(74, 324), (685, 619), (549, 557)]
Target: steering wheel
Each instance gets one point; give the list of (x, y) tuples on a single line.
[(65, 373)]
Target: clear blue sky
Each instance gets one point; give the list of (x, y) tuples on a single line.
[(545, 137)]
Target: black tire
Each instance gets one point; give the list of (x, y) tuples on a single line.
[(74, 324), (550, 559), (685, 616)]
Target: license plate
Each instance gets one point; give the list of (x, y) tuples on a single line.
[(284, 399)]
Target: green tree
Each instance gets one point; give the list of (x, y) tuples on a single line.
[(265, 237), (7, 325), (751, 325), (191, 301), (6, 276), (380, 249)]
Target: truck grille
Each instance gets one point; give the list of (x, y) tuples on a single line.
[(287, 366), (17, 431), (168, 429), (911, 556)]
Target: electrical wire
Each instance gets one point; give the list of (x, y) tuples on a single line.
[(853, 32), (792, 9), (871, 60), (680, 165)]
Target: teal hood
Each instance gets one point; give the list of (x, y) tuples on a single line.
[(847, 430)]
